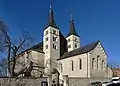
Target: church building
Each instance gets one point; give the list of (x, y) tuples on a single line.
[(64, 55)]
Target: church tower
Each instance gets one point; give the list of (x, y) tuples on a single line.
[(51, 40), (73, 39)]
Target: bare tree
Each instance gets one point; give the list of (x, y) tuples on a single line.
[(11, 48), (114, 66), (3, 66)]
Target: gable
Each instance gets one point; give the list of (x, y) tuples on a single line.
[(99, 49)]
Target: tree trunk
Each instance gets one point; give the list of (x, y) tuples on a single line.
[(14, 62), (8, 57)]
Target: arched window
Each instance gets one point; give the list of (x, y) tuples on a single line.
[(80, 64), (72, 65), (93, 63), (98, 61), (102, 65)]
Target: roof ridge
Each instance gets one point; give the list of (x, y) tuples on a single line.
[(81, 50), (86, 45)]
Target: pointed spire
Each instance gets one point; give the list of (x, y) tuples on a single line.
[(51, 21), (72, 27)]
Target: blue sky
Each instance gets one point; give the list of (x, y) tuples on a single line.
[(94, 20)]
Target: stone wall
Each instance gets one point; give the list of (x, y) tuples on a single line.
[(5, 81), (85, 81)]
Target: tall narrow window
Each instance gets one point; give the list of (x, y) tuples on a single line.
[(69, 40), (98, 61), (93, 63), (75, 39), (46, 39), (54, 31), (102, 65), (69, 46), (75, 45), (54, 39), (80, 64), (46, 32), (54, 46), (72, 66)]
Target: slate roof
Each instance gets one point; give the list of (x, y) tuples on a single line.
[(72, 28), (80, 50), (63, 44), (51, 21), (38, 47)]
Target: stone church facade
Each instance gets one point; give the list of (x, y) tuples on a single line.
[(65, 55)]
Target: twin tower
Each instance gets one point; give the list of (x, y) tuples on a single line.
[(54, 43)]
